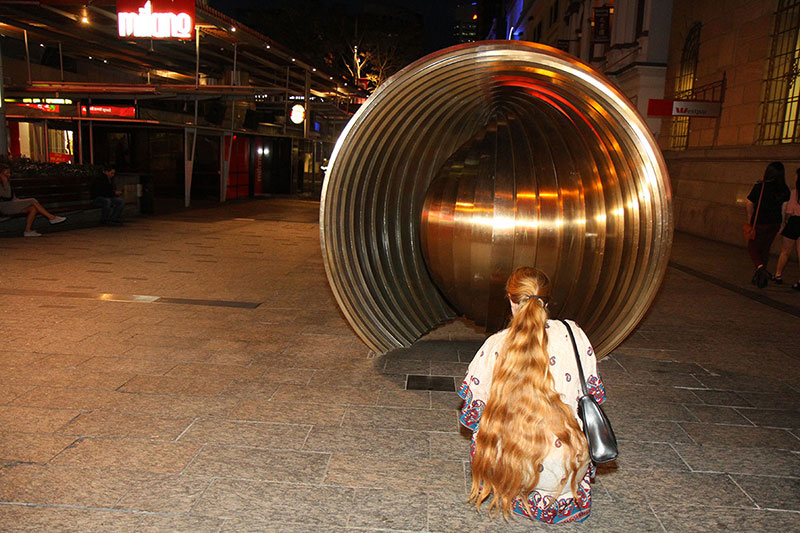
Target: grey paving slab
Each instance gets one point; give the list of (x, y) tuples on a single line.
[(245, 433), (173, 494), (638, 486), (34, 419), (398, 473), (82, 487), (771, 492), (713, 414), (708, 519), (383, 443), (394, 417), (178, 524), (278, 502), (37, 519), (388, 509), (259, 464), (125, 425), (284, 412), (328, 394), (763, 461), (742, 436), (138, 455), (647, 456), (32, 447), (779, 418)]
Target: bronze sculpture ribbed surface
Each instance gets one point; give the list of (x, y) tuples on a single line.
[(481, 158)]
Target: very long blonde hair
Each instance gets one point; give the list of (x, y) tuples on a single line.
[(524, 414)]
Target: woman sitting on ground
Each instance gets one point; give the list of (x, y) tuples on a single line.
[(11, 205), (529, 453)]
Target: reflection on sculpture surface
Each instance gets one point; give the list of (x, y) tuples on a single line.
[(482, 158)]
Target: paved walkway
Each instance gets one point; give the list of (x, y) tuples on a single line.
[(191, 372)]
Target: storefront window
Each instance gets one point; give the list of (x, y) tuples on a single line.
[(37, 141)]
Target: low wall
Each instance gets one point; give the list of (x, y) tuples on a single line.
[(710, 186)]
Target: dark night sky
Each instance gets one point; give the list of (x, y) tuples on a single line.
[(437, 14)]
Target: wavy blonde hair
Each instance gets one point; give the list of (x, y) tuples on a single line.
[(524, 414)]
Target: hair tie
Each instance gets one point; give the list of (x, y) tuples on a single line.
[(538, 298)]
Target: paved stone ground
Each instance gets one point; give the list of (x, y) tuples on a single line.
[(200, 412)]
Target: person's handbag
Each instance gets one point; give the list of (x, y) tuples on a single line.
[(596, 426), (750, 229)]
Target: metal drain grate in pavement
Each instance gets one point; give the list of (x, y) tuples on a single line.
[(437, 383)]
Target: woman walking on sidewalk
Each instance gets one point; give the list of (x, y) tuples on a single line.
[(790, 233), (764, 213), (11, 205), (529, 454)]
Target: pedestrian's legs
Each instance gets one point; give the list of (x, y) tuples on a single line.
[(797, 249), (796, 286), (31, 214), (752, 250), (117, 204), (765, 234), (42, 211), (786, 249), (105, 205)]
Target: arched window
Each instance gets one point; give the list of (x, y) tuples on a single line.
[(684, 85), (780, 100)]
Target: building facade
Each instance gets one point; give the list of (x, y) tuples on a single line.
[(751, 51), (192, 102)]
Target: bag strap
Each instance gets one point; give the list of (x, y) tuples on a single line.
[(760, 196), (577, 357)]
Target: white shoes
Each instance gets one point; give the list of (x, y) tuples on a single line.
[(58, 220), (32, 233)]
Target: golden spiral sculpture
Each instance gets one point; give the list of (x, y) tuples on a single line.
[(481, 158)]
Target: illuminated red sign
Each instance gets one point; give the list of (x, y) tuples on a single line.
[(56, 157), (49, 108), (155, 19), (109, 110), (683, 108)]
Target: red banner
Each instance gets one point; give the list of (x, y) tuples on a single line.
[(109, 110)]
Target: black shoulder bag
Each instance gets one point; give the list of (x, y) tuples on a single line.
[(602, 442)]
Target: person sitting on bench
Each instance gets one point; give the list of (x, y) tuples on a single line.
[(10, 205), (108, 198)]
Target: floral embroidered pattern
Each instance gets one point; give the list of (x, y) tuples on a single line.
[(464, 391), (472, 410), (552, 360), (554, 511), (471, 414), (594, 386)]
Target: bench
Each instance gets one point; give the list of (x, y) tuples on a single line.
[(58, 194)]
